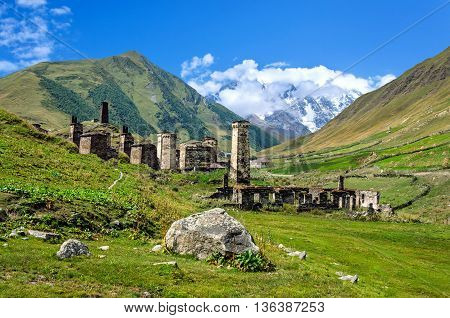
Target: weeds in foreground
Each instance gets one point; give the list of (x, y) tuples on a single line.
[(249, 261)]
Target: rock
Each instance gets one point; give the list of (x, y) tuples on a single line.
[(157, 248), (43, 235), (205, 233), (18, 232), (281, 246), (3, 215), (104, 248), (25, 238), (72, 248), (101, 256), (301, 255), (5, 244), (116, 224), (352, 278), (171, 263)]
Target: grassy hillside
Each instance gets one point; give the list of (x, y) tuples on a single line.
[(45, 184), (142, 96), (414, 105)]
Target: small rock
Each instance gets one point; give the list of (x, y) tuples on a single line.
[(135, 248), (18, 232), (146, 294), (301, 255), (72, 248), (171, 263), (104, 248), (157, 248), (44, 235), (281, 246), (116, 223), (5, 244), (24, 238), (101, 256), (351, 278)]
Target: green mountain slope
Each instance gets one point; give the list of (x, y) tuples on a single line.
[(142, 96), (414, 105)]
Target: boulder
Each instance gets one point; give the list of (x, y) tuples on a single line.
[(301, 255), (72, 248), (18, 232), (208, 232), (104, 248), (43, 235)]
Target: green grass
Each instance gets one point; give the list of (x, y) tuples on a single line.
[(392, 260), (46, 185)]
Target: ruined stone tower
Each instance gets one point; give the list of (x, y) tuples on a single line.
[(126, 141), (167, 151), (76, 130), (240, 153), (212, 143), (341, 183), (104, 117)]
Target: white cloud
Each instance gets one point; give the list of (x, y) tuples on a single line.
[(246, 88), (27, 40), (31, 3), (7, 66), (277, 64), (61, 11), (196, 63)]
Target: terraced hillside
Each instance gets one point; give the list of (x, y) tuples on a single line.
[(142, 96)]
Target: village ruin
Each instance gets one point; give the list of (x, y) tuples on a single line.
[(203, 156)]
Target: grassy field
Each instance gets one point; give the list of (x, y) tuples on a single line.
[(391, 259), (45, 184)]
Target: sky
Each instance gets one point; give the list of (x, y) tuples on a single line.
[(211, 44)]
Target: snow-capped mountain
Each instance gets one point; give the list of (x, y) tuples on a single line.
[(314, 112)]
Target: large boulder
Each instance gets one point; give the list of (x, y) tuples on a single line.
[(211, 231), (72, 248)]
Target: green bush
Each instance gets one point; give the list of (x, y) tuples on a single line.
[(249, 261)]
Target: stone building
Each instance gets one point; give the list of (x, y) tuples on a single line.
[(195, 156), (126, 141), (167, 151), (252, 197), (240, 153), (75, 132), (144, 153), (98, 143)]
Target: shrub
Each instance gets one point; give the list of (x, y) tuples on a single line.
[(249, 261)]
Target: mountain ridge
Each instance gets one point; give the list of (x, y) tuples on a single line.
[(142, 96)]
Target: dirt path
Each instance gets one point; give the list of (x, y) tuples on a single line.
[(115, 181)]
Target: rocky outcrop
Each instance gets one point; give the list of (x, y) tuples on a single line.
[(208, 232), (71, 248)]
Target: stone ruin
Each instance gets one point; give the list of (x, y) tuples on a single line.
[(164, 155), (248, 197), (167, 150), (196, 155), (240, 153), (144, 153)]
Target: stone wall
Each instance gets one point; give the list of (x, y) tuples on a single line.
[(144, 154), (125, 143), (240, 153), (212, 144)]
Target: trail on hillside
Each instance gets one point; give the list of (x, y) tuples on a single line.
[(115, 181)]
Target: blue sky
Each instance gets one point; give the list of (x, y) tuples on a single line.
[(223, 34), (301, 33)]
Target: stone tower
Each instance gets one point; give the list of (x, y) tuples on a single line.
[(126, 141), (211, 142), (341, 183), (240, 153), (104, 117), (167, 151), (76, 130)]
